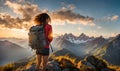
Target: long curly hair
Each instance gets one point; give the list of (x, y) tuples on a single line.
[(42, 18)]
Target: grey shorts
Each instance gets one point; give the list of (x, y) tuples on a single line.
[(44, 52)]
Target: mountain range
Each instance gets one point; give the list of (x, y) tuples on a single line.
[(11, 52), (82, 44), (91, 53), (107, 48), (21, 42)]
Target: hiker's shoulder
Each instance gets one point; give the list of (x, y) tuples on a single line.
[(48, 26)]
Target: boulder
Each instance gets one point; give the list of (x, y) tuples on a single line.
[(91, 63), (53, 66)]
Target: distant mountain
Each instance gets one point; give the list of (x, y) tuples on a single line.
[(98, 40), (80, 45), (61, 42), (83, 37), (64, 52), (10, 52), (111, 51), (21, 42), (95, 44), (69, 37), (77, 40)]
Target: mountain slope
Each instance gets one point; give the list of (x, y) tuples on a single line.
[(10, 52), (111, 51), (81, 45), (20, 42)]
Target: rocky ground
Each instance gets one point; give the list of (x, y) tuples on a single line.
[(90, 63)]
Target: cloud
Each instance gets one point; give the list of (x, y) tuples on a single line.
[(27, 12), (21, 0), (114, 34), (114, 18), (108, 18), (71, 6), (69, 16), (58, 22), (111, 18), (99, 27), (8, 21)]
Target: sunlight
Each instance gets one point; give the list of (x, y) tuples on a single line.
[(16, 33)]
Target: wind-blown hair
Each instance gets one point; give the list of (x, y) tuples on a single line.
[(42, 18)]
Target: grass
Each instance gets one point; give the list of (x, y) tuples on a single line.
[(8, 67)]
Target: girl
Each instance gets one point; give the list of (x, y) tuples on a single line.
[(42, 55)]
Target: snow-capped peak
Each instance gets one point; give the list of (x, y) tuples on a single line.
[(77, 40), (83, 37)]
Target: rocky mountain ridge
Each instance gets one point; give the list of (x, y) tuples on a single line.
[(111, 51), (82, 44)]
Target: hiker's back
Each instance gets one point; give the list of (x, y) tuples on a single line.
[(37, 39)]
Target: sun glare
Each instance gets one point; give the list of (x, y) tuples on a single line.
[(16, 33)]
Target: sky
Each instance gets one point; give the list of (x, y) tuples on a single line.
[(92, 17)]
